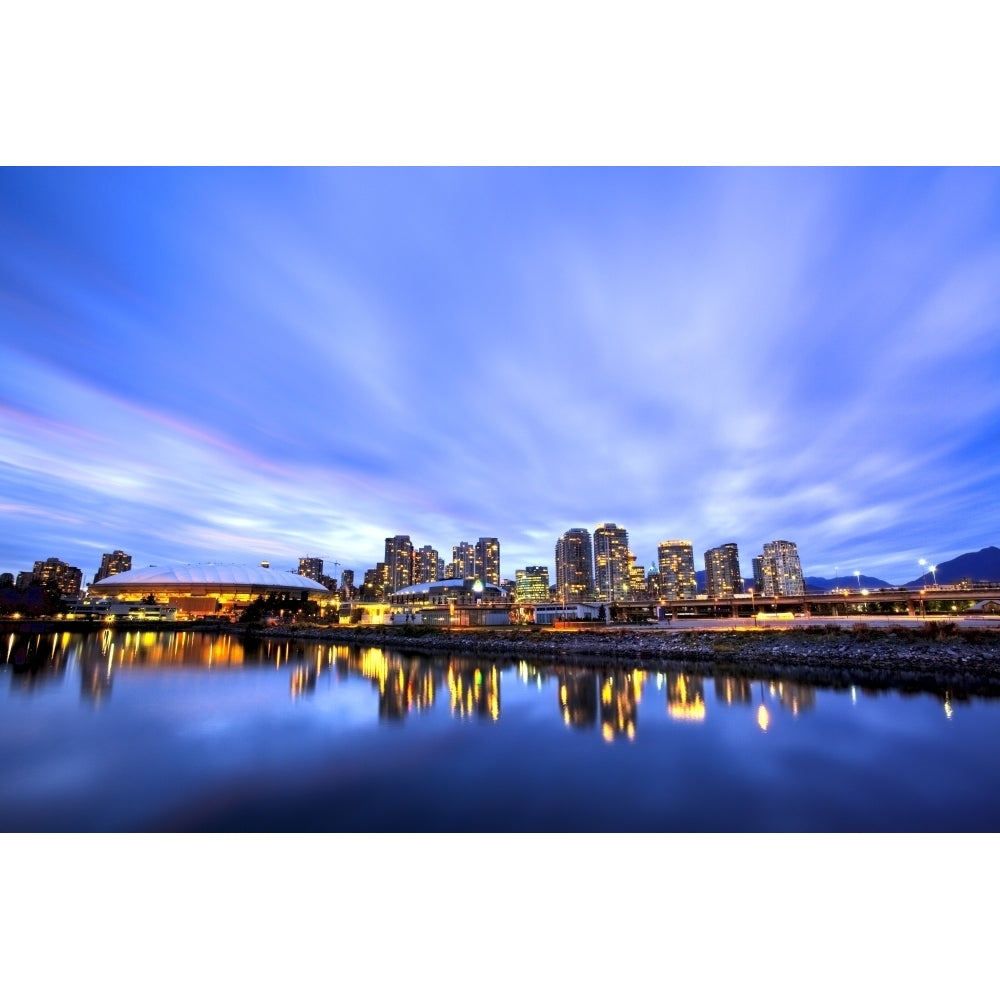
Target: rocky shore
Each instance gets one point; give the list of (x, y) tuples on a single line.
[(937, 657)]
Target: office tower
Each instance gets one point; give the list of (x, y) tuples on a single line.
[(532, 586), (611, 562), (426, 563), (636, 579), (574, 566), (463, 561), (677, 579), (722, 571), (113, 563), (311, 567), (777, 572), (488, 561), (66, 579), (399, 560)]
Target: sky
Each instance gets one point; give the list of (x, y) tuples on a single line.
[(234, 364)]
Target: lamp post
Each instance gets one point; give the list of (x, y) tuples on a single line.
[(934, 574), (857, 573), (923, 570)]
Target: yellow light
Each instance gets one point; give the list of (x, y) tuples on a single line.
[(763, 717)]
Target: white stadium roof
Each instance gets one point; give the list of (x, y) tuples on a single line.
[(202, 574)]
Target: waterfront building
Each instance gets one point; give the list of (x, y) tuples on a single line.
[(208, 588), (722, 571), (487, 566), (24, 580), (574, 565), (311, 567), (611, 562), (637, 588), (113, 562), (450, 603), (399, 562), (427, 564), (463, 562), (376, 585), (65, 578), (677, 579), (777, 571), (532, 585)]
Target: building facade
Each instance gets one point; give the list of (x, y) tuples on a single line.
[(488, 561), (574, 565), (676, 562), (777, 571), (426, 565), (532, 585), (311, 567), (722, 571), (611, 562), (463, 562), (112, 563), (399, 562), (65, 578)]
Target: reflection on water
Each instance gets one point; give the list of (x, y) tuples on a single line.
[(206, 731), (589, 697)]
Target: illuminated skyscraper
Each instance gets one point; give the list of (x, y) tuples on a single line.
[(611, 562), (778, 571), (574, 565), (488, 561), (67, 579), (113, 563), (677, 579), (722, 571), (399, 560), (463, 561), (532, 585), (426, 561), (311, 566)]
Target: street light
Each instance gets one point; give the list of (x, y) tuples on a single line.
[(857, 573), (923, 569), (934, 574)]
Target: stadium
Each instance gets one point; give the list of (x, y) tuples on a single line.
[(207, 588)]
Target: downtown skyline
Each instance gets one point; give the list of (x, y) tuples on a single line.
[(230, 365)]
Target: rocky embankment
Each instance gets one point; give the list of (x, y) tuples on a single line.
[(935, 657)]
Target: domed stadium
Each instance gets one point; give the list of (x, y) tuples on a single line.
[(207, 588)]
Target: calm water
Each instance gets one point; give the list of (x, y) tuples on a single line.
[(144, 731)]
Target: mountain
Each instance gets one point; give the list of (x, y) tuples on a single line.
[(980, 566), (821, 585)]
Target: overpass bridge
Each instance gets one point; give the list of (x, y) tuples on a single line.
[(939, 600)]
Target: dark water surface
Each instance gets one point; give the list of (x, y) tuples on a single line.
[(185, 731)]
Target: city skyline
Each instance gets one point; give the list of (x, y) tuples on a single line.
[(215, 365)]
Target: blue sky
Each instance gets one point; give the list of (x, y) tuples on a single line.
[(242, 364)]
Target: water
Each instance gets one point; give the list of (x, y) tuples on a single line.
[(185, 731)]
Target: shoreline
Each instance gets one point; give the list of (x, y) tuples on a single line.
[(934, 659), (937, 657)]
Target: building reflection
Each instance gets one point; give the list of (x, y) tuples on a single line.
[(474, 691), (733, 691), (578, 697), (620, 694), (685, 697), (794, 697)]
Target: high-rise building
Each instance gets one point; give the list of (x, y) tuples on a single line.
[(463, 561), (532, 586), (488, 561), (722, 571), (574, 565), (426, 563), (611, 562), (67, 579), (113, 563), (347, 583), (399, 560), (311, 566), (777, 571), (677, 579), (637, 587), (376, 585), (6, 580)]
